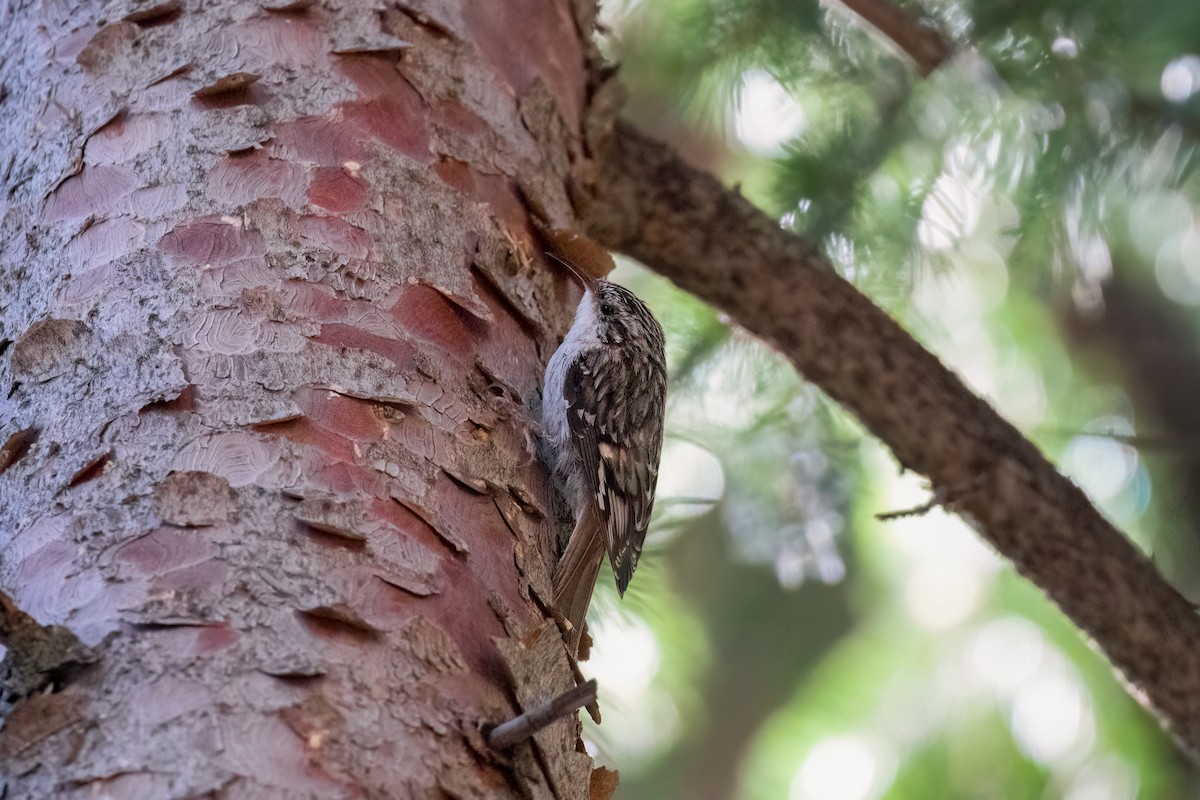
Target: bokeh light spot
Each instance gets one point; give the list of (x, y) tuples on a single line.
[(767, 114)]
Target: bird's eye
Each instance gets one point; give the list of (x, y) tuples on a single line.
[(606, 309)]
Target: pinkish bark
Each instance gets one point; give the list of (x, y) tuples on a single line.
[(271, 326)]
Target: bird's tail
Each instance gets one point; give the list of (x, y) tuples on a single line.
[(575, 577)]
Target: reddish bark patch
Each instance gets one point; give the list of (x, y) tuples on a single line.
[(293, 41), (336, 236), (335, 189), (489, 564), (408, 523), (545, 48), (211, 638), (436, 320), (463, 513), (185, 402), (383, 604), (402, 354), (303, 432), (318, 303), (466, 616), (414, 433), (393, 122), (319, 140), (350, 479), (95, 190), (460, 119), (126, 137), (163, 550), (498, 191), (391, 110), (209, 243), (348, 417), (242, 178)]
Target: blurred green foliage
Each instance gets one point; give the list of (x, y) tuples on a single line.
[(1031, 212)]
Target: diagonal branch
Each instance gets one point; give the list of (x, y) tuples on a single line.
[(924, 45), (646, 202), (929, 48)]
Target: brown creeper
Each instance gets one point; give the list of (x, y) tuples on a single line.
[(602, 416)]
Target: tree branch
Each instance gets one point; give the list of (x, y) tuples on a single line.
[(924, 45), (646, 202), (929, 48)]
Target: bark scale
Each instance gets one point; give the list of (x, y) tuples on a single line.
[(272, 325)]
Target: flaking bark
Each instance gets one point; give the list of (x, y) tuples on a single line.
[(272, 329)]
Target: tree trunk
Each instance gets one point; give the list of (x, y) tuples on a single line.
[(272, 321)]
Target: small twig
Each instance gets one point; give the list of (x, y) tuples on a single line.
[(938, 499), (521, 727), (593, 708)]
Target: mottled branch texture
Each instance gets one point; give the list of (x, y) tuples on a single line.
[(273, 322), (643, 200)]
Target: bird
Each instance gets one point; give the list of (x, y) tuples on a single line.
[(603, 408)]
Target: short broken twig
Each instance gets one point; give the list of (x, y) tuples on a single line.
[(521, 727), (938, 499)]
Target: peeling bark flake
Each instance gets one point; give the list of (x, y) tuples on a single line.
[(156, 14), (339, 623), (15, 447), (456, 542), (48, 348), (91, 470), (226, 84), (289, 6), (341, 519)]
